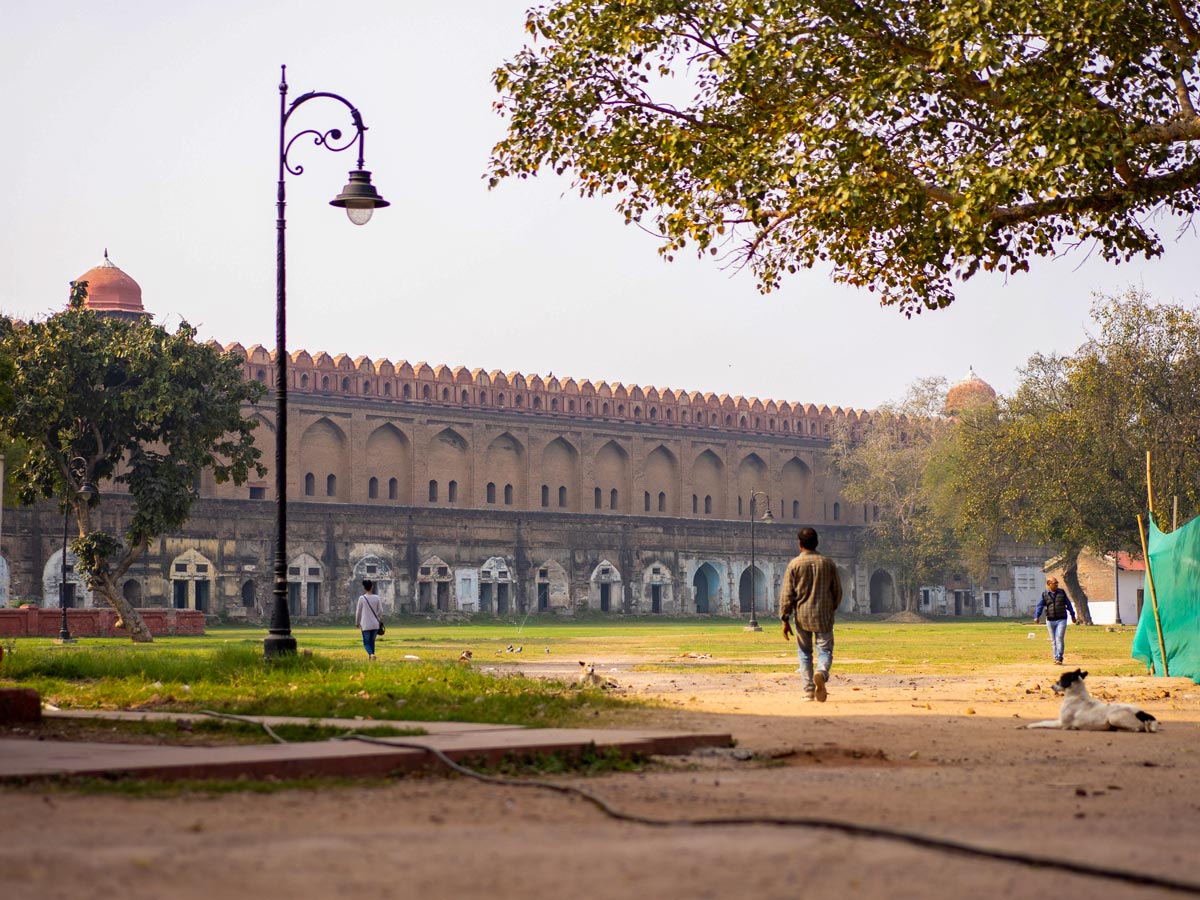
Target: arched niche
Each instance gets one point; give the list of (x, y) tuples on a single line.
[(324, 454), (605, 588), (389, 460), (379, 570)]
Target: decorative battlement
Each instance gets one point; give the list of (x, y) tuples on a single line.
[(516, 392)]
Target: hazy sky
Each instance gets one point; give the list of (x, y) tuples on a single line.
[(151, 129)]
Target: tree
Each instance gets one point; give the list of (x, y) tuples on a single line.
[(144, 409), (887, 467), (1062, 461), (903, 144)]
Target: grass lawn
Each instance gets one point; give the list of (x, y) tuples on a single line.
[(224, 671)]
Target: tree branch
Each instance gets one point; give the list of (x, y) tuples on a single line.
[(1186, 25)]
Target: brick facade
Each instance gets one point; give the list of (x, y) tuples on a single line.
[(464, 491)]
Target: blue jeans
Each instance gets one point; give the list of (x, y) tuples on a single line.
[(804, 650), (369, 635), (1058, 632)]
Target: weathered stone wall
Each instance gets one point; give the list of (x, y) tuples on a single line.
[(460, 490)]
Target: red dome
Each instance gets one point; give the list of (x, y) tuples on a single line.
[(971, 391), (112, 291)]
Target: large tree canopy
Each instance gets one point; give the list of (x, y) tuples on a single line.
[(142, 407), (902, 143), (1062, 461), (889, 469)]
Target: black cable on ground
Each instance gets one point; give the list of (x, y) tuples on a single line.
[(847, 828), (248, 720)]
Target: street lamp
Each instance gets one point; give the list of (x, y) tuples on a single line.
[(77, 470), (360, 199), (767, 517)]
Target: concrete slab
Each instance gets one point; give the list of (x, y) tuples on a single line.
[(138, 715), (25, 760)]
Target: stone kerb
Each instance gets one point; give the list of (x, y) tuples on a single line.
[(38, 622)]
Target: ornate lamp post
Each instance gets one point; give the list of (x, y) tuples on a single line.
[(360, 199), (77, 470), (753, 625)]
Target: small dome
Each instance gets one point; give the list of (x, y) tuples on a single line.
[(112, 292), (971, 391)]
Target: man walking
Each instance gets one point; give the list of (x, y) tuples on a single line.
[(812, 591)]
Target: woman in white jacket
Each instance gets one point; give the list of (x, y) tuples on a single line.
[(368, 616)]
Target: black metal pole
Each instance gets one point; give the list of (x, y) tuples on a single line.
[(359, 199), (279, 638), (64, 633), (753, 624)]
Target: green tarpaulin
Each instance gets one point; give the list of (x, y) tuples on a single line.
[(1175, 566)]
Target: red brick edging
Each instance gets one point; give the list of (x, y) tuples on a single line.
[(100, 622)]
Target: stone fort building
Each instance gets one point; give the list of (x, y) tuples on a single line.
[(460, 490)]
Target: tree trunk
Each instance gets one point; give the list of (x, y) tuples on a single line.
[(102, 578), (127, 616), (1074, 589)]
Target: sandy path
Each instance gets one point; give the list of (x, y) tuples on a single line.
[(940, 756)]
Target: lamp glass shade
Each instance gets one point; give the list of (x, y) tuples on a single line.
[(359, 197)]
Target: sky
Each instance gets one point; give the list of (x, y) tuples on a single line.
[(151, 129)]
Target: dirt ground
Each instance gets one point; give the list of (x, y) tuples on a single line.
[(937, 757)]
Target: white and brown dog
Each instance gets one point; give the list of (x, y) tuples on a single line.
[(589, 677), (1082, 712)]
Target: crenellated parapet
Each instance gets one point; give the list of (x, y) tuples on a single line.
[(458, 386)]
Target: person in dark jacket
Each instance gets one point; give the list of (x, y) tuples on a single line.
[(1057, 606)]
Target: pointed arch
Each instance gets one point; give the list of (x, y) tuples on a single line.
[(708, 480), (434, 586), (882, 592), (77, 594), (605, 589), (505, 464), (795, 488), (379, 570), (612, 473), (448, 463), (560, 468), (306, 577), (553, 587), (324, 452), (752, 475), (756, 578), (706, 590), (191, 575), (658, 588), (662, 481), (389, 456)]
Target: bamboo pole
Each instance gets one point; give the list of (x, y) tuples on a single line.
[(1162, 648), (1149, 486)]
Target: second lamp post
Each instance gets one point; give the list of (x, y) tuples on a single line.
[(753, 625), (360, 199), (76, 471)]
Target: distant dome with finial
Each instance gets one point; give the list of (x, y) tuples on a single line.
[(971, 391), (111, 292)]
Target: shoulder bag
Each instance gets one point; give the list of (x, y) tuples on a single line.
[(378, 613)]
